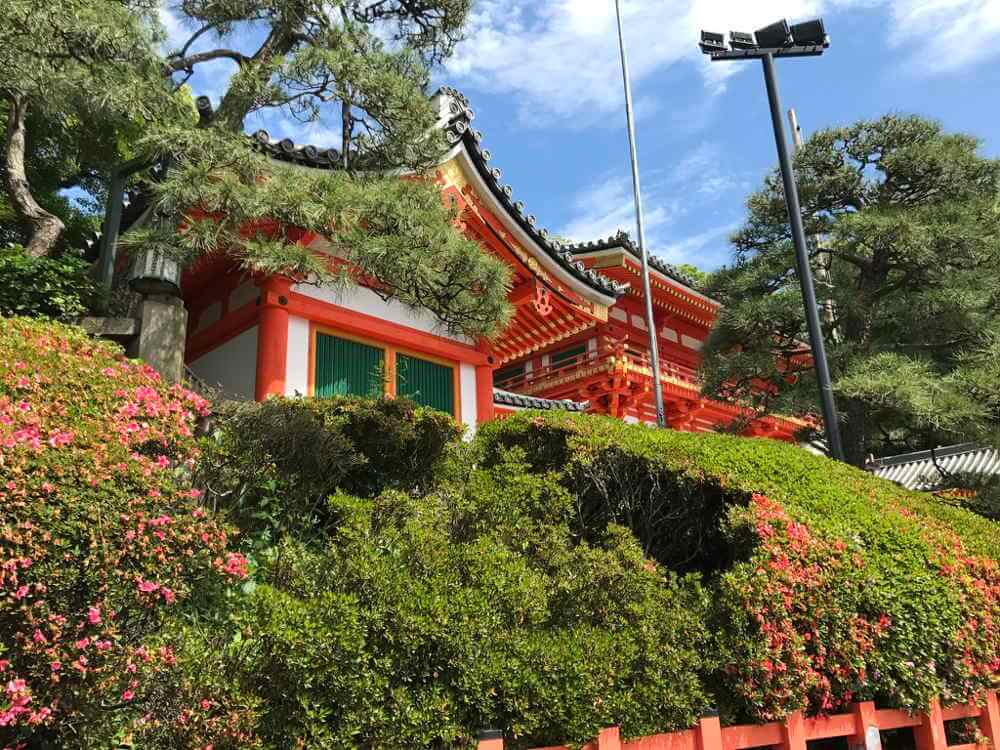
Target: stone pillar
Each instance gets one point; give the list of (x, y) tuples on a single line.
[(162, 335)]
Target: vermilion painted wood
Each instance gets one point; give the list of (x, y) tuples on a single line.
[(864, 715), (822, 727), (989, 720), (961, 711), (751, 735), (272, 337), (609, 739), (235, 323), (685, 740), (894, 719), (484, 393), (361, 324), (929, 735), (793, 733)]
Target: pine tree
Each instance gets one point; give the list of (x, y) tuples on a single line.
[(78, 80), (908, 221), (361, 67), (364, 67)]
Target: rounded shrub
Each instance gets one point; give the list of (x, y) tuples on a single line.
[(828, 585), (417, 619), (273, 465), (57, 287), (102, 537)]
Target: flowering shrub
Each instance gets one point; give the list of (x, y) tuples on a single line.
[(102, 537), (828, 585)]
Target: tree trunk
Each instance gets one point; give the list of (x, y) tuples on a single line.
[(348, 123), (46, 228), (853, 432)]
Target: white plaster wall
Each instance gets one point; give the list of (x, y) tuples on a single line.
[(467, 391), (364, 300), (670, 334), (297, 364), (618, 314), (232, 367)]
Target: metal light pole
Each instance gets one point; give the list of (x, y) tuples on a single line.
[(780, 40), (823, 276), (654, 348)]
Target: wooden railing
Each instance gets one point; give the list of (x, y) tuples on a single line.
[(609, 353), (861, 727)]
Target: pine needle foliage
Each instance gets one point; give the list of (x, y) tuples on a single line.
[(906, 222)]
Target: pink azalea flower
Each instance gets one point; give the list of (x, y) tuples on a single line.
[(94, 615), (56, 666), (128, 695)]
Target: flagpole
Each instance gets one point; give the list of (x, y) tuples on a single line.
[(654, 348)]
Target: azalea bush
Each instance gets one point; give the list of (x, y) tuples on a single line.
[(828, 585), (102, 536)]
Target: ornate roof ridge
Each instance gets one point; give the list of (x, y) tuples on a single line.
[(509, 398), (456, 118), (285, 149), (624, 240)]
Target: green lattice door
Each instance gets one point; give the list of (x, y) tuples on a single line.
[(427, 383), (346, 367)]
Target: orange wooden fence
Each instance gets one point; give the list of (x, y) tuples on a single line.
[(861, 728)]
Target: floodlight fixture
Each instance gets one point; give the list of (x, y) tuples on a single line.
[(809, 33), (806, 39), (775, 36), (712, 42), (741, 40)]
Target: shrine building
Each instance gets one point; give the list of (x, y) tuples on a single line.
[(578, 340)]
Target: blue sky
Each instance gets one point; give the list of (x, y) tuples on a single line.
[(544, 80)]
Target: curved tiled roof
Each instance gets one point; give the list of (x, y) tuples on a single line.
[(305, 154), (457, 127), (507, 398), (917, 471), (624, 241)]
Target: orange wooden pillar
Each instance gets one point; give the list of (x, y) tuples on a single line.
[(609, 739), (272, 337), (484, 393), (490, 739), (989, 719), (709, 732), (930, 734), (866, 732), (793, 732)]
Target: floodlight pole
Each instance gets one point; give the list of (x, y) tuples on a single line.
[(804, 266), (654, 348)]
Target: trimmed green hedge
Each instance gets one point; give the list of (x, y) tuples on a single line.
[(272, 465), (830, 585)]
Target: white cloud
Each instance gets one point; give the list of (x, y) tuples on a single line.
[(560, 57), (945, 35), (706, 250), (607, 206)]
